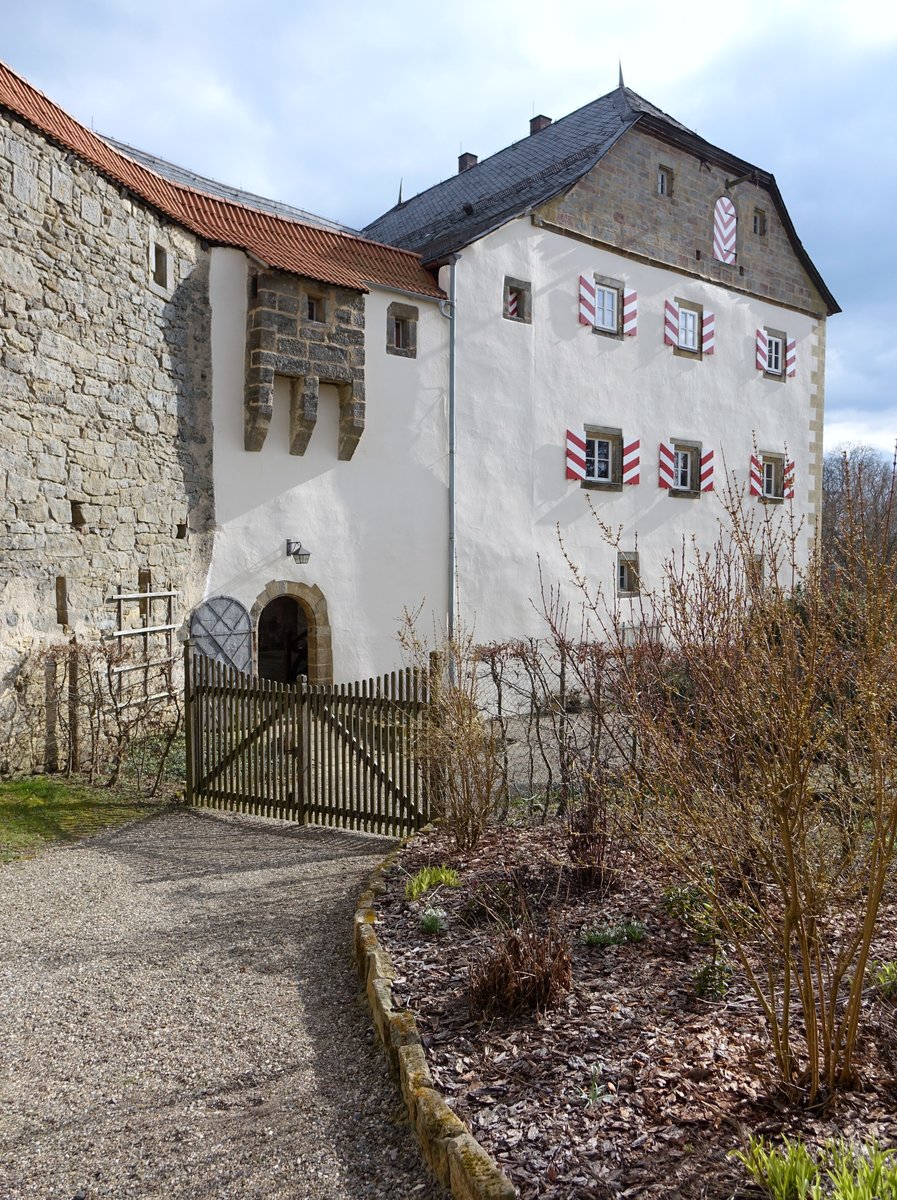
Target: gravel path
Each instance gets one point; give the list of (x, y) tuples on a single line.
[(179, 1017)]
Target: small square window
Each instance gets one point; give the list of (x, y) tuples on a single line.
[(160, 265), (606, 307), (518, 300), (772, 467), (686, 469), (604, 458), (608, 303), (628, 581), (314, 308), (759, 222), (401, 330), (688, 329), (664, 181), (774, 354)]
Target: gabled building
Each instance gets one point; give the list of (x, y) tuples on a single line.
[(622, 285), (293, 431)]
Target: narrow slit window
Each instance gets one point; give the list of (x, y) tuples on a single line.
[(759, 222), (627, 574), (160, 265), (664, 181)]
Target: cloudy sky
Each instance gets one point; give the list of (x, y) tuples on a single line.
[(328, 105)]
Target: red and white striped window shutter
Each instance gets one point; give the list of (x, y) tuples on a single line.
[(586, 301), (788, 481), (708, 333), (725, 224), (667, 461), (670, 323), (791, 358), (707, 471), (756, 488), (630, 314), (576, 456), (631, 457), (513, 301), (762, 350)]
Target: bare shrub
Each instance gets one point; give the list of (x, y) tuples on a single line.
[(763, 710), (91, 707), (460, 746), (529, 968)]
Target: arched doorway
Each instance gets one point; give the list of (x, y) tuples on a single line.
[(283, 640), (313, 604)]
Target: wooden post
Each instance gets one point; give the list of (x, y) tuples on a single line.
[(188, 718)]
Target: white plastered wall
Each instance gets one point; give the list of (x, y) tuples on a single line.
[(376, 526), (519, 387)]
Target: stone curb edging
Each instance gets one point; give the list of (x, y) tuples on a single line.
[(456, 1159)]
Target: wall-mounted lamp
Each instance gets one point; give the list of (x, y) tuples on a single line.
[(297, 552)]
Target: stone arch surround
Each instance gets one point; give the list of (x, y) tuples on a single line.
[(314, 604)]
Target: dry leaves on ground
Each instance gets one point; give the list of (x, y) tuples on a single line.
[(632, 1085)]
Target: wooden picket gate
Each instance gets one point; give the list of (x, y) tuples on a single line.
[(345, 755)]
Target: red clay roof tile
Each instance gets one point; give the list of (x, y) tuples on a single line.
[(328, 256)]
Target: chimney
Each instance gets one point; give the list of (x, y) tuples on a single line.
[(466, 161), (537, 123)]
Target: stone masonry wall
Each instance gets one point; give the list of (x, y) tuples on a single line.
[(313, 334), (105, 399), (617, 203)]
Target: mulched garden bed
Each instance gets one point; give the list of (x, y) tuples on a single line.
[(631, 1085)]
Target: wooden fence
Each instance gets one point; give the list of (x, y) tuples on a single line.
[(345, 755)]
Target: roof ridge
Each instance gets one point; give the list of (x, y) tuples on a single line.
[(483, 162), (218, 220)]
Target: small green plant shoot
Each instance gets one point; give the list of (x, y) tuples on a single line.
[(838, 1171), (885, 976), (615, 935), (433, 920), (430, 877)]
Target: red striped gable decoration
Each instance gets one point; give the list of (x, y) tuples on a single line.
[(630, 314), (725, 225), (670, 323), (631, 456), (586, 301), (707, 471), (791, 358), (576, 456), (708, 333)]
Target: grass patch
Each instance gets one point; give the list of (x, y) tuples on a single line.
[(38, 811)]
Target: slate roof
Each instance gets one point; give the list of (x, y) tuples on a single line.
[(467, 206), (461, 209), (320, 252)]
